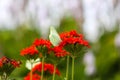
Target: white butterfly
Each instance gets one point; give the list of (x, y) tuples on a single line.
[(54, 37)]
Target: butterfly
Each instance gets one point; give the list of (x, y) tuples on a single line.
[(54, 37)]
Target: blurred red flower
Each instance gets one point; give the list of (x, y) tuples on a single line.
[(34, 77), (29, 51), (72, 33), (72, 37), (7, 65), (15, 63), (42, 42), (47, 68), (59, 52), (6, 61)]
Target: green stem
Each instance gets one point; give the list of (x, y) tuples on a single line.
[(31, 70), (73, 68), (67, 67), (54, 72), (45, 78), (42, 68)]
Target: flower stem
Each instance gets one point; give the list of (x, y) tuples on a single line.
[(31, 70), (67, 67), (42, 68), (73, 68), (54, 72)]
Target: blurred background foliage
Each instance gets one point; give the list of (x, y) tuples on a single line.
[(107, 59)]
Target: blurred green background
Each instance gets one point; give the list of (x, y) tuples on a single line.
[(22, 21), (107, 59)]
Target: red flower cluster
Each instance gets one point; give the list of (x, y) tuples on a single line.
[(71, 42), (15, 63), (71, 34), (59, 52), (47, 68), (74, 41), (34, 77), (42, 42), (3, 60), (1, 64), (72, 38), (7, 61), (29, 51)]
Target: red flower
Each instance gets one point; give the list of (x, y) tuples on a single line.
[(59, 52), (42, 42), (1, 64), (47, 68), (73, 33), (5, 61), (29, 51), (8, 65), (34, 77), (72, 38), (70, 34), (15, 63), (64, 35)]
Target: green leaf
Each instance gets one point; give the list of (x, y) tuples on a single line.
[(54, 37)]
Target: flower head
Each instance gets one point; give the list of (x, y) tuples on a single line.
[(42, 46), (15, 63), (48, 68), (8, 65), (29, 51), (73, 42), (42, 42), (59, 51), (3, 60), (1, 64), (7, 61), (70, 34), (73, 37), (34, 77)]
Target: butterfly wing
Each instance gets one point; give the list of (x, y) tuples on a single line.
[(54, 37)]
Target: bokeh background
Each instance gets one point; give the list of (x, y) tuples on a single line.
[(21, 21)]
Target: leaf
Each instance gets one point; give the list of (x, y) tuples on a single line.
[(54, 37)]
